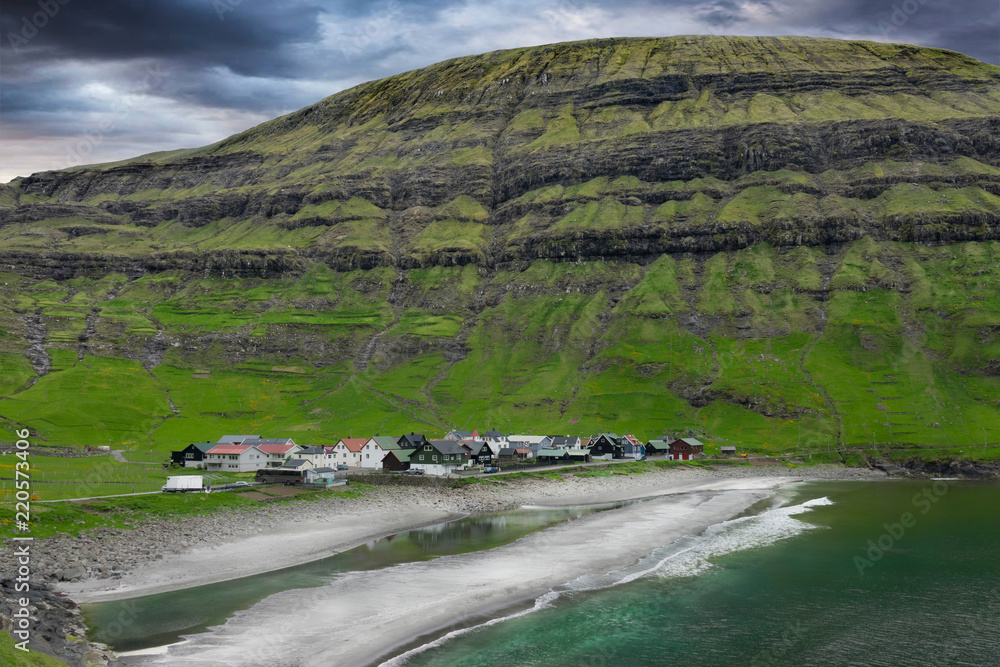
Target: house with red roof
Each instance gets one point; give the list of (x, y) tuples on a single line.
[(348, 451)]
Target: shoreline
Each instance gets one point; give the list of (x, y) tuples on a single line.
[(298, 533), (160, 555), (401, 605)]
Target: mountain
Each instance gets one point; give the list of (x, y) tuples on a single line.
[(779, 241)]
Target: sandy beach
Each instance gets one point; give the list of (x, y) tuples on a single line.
[(304, 532), (364, 617), (396, 605)]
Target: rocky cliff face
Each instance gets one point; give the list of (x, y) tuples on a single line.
[(752, 235), (624, 147)]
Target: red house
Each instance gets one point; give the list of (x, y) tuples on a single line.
[(686, 449)]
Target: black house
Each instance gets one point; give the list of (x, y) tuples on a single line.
[(411, 441), (191, 456), (606, 446), (479, 452)]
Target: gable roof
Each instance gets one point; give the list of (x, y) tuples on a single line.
[(657, 444), (631, 438), (353, 444), (493, 434), (202, 446), (312, 449), (459, 434), (557, 453), (400, 454), (565, 441), (690, 441), (448, 446), (413, 439), (530, 439), (275, 448), (230, 439), (229, 449), (384, 441), (323, 469), (475, 446), (294, 463), (506, 451), (273, 441)]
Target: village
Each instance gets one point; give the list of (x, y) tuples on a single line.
[(281, 460)]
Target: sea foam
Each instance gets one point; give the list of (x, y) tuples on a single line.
[(688, 556)]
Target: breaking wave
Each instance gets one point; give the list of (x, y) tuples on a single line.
[(688, 556)]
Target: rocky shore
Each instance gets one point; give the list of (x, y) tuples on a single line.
[(100, 559)]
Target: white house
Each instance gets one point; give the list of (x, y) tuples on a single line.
[(297, 464), (565, 442), (278, 451), (495, 438), (235, 458), (375, 450), (318, 456), (348, 451)]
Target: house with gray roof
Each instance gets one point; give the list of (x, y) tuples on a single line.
[(236, 439), (439, 457)]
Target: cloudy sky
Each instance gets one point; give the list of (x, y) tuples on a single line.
[(85, 81)]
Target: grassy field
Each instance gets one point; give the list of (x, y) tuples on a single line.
[(903, 350), (123, 512), (15, 658)]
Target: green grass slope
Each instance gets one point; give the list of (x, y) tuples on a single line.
[(786, 243)]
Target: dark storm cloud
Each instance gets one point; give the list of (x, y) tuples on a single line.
[(228, 64), (249, 37), (969, 26)]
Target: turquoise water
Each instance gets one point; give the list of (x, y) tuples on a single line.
[(890, 573), (156, 620)]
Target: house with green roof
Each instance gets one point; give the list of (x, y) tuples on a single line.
[(605, 447), (374, 451), (397, 460), (686, 449), (657, 447)]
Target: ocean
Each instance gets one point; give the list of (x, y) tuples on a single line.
[(828, 573)]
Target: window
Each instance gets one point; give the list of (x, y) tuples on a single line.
[(421, 457)]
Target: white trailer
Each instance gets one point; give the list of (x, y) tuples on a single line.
[(184, 484)]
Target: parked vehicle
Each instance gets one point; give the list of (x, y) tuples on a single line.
[(343, 466), (491, 469), (184, 484), (237, 485), (413, 471)]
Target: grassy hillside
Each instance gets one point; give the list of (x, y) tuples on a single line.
[(784, 243), (745, 347)]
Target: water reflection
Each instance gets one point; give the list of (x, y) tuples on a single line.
[(155, 620)]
